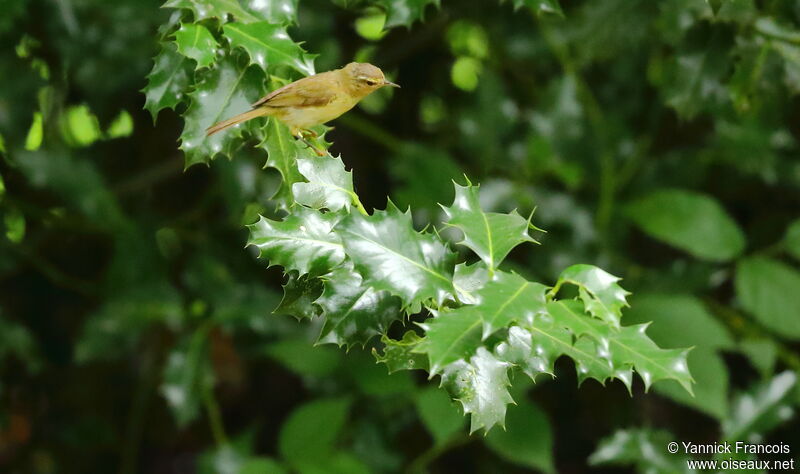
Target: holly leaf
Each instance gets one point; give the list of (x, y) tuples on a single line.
[(406, 12), (392, 256), (490, 235), (329, 186), (166, 83), (274, 11), (269, 46), (303, 241), (300, 294), (457, 334), (283, 152), (400, 355), (598, 289), (354, 312), (196, 42), (481, 386), (227, 89)]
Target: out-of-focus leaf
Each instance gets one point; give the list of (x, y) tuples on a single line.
[(373, 379), (80, 127), (527, 439), (643, 448), (303, 241), (770, 291), (678, 320), (405, 12), (16, 341), (480, 384), (169, 80), (792, 239), (14, 221), (762, 354), (598, 290), (226, 90), (392, 256), (711, 384), (196, 42), (35, 133), (689, 221), (269, 46), (438, 413), (490, 235), (760, 409), (456, 334), (301, 442), (186, 373), (370, 26), (411, 165), (297, 356), (261, 465), (400, 355), (541, 7), (354, 312), (329, 186), (464, 73), (122, 126)]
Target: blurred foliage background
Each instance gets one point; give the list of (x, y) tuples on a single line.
[(658, 140)]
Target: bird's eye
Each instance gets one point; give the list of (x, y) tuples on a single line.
[(370, 82)]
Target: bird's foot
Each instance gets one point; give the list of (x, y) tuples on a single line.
[(302, 136)]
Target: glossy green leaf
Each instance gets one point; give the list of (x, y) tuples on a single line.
[(269, 46), (400, 355), (245, 11), (770, 291), (226, 90), (456, 334), (481, 386), (598, 290), (489, 234), (527, 439), (690, 221), (329, 186), (196, 42), (392, 256), (283, 152), (169, 80), (710, 389), (303, 241), (302, 442), (354, 312), (300, 294), (439, 414)]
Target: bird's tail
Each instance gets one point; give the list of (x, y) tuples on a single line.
[(218, 127)]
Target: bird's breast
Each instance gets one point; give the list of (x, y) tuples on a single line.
[(305, 117)]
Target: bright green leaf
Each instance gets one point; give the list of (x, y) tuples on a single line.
[(302, 442), (400, 355), (283, 153), (122, 126), (770, 291), (405, 12), (80, 126), (196, 42), (269, 46), (273, 11), (329, 186), (169, 80), (14, 221), (598, 290), (689, 221), (465, 72), (35, 134)]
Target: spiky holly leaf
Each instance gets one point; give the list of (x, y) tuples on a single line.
[(227, 89), (167, 82), (490, 235), (406, 12), (392, 256), (481, 385), (283, 151), (598, 289), (300, 294), (303, 241), (196, 42), (627, 347), (354, 312), (274, 11), (456, 334), (518, 348), (469, 279), (329, 186), (269, 46), (400, 355)]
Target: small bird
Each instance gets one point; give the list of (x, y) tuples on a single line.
[(314, 100)]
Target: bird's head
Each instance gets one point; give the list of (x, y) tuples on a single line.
[(363, 78)]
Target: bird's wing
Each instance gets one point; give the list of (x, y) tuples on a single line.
[(311, 91)]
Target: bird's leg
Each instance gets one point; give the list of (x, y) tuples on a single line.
[(307, 132), (302, 135)]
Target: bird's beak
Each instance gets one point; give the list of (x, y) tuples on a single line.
[(391, 84)]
